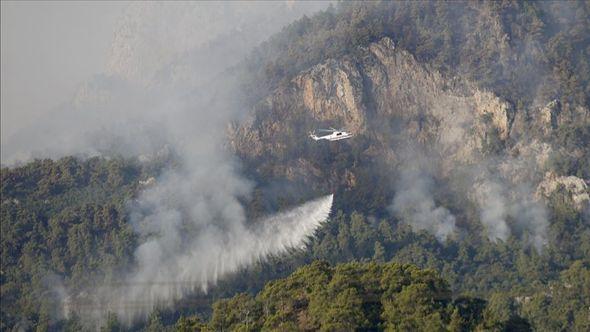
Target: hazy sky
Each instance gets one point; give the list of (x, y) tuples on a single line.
[(48, 48)]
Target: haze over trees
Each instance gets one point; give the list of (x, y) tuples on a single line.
[(66, 221)]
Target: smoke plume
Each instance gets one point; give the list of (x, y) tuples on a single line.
[(170, 87), (191, 222), (493, 211), (531, 216), (415, 205), (160, 53), (190, 248)]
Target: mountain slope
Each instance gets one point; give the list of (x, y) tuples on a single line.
[(406, 115), (349, 297), (470, 157)]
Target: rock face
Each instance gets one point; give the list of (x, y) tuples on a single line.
[(549, 115), (333, 91), (576, 189), (383, 93), (406, 115)]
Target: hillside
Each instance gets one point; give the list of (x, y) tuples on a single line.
[(62, 219), (433, 153), (465, 185), (362, 296), (521, 50), (351, 296)]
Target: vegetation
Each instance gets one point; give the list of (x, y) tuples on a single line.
[(521, 50), (62, 219), (569, 161), (352, 296), (395, 297), (65, 221)]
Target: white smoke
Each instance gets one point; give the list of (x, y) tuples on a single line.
[(531, 216), (502, 187), (414, 204), (493, 212), (187, 254), (169, 88), (499, 205), (191, 223), (161, 51), (503, 191)]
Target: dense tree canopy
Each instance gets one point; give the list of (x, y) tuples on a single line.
[(62, 219), (66, 221), (519, 49), (352, 296)]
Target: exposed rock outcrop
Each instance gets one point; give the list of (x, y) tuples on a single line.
[(384, 93), (333, 91), (574, 187), (406, 115)]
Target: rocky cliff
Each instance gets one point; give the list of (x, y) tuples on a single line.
[(404, 115), (385, 94)]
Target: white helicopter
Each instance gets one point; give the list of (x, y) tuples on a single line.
[(334, 135)]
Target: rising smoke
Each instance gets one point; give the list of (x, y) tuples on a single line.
[(415, 205), (505, 207), (166, 90), (500, 185), (507, 203), (190, 248), (491, 199), (179, 96), (161, 52)]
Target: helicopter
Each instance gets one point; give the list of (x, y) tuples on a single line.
[(334, 135)]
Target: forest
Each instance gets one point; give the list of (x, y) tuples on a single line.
[(546, 47), (66, 221)]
